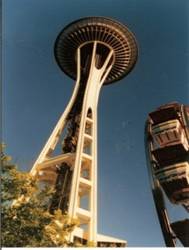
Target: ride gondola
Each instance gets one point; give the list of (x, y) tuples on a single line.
[(167, 152)]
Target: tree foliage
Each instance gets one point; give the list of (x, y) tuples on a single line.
[(26, 221)]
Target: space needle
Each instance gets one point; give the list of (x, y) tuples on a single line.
[(94, 51)]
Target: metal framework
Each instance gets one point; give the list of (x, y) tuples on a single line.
[(167, 153), (93, 51)]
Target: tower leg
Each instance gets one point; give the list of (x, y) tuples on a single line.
[(86, 153)]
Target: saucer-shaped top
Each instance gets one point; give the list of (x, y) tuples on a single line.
[(100, 29)]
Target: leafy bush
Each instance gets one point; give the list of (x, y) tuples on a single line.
[(26, 221)]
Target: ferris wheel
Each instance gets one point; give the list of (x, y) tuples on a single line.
[(167, 154)]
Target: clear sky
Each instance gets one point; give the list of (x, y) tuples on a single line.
[(36, 92)]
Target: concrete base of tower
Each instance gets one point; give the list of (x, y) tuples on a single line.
[(102, 240), (108, 241)]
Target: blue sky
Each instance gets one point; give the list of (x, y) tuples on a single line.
[(36, 92)]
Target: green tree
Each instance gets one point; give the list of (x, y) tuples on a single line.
[(26, 221)]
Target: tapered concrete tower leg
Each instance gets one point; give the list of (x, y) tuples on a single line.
[(87, 148), (54, 138)]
